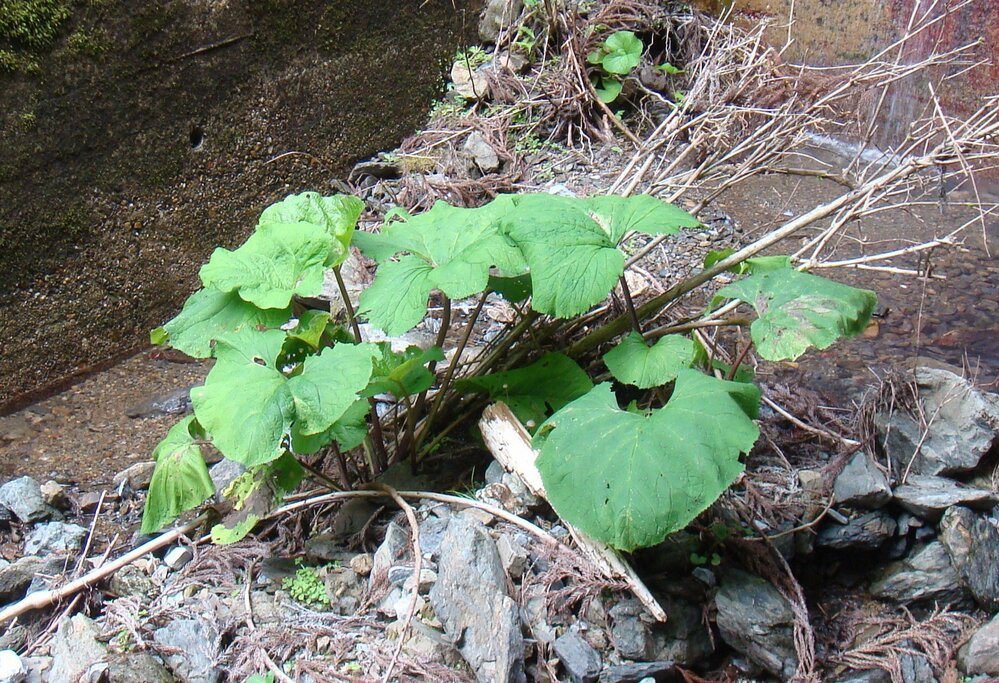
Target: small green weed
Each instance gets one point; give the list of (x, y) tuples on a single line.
[(307, 587)]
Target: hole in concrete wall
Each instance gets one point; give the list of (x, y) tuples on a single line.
[(197, 137)]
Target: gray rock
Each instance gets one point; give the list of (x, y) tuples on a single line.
[(581, 661), (54, 494), (513, 556), (177, 557), (683, 639), (12, 669), (630, 635), (38, 669), (965, 425), (16, 578), (928, 496), (972, 542), (496, 16), (192, 648), (176, 402), (389, 552), (862, 484), (54, 538), (131, 581), (470, 84), (471, 602), (864, 532), (916, 669), (633, 673), (925, 575), (23, 497), (429, 644), (223, 473), (431, 534), (980, 655), (868, 676), (75, 648), (138, 667), (137, 476), (756, 620), (494, 472), (398, 575), (481, 155), (376, 168)]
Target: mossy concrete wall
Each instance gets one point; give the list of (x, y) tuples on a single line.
[(150, 133)]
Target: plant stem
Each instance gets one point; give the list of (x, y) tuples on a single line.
[(421, 400), (630, 305), (738, 361), (341, 464), (320, 477), (449, 375), (379, 455), (695, 325)]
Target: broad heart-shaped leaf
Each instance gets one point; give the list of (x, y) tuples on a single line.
[(180, 481), (642, 213), (447, 248), (798, 310), (631, 480), (349, 432), (397, 298), (608, 89), (402, 374), (278, 261), (535, 390), (634, 362), (573, 261), (624, 52), (209, 314), (337, 215), (329, 385), (245, 404)]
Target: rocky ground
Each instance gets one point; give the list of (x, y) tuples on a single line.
[(830, 560)]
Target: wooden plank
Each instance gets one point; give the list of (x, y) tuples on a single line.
[(510, 443)]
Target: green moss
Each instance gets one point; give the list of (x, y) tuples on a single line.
[(28, 28), (90, 43)]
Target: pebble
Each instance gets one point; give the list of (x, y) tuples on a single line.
[(177, 557), (12, 669)]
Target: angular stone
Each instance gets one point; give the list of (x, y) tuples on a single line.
[(862, 484), (630, 635), (137, 476), (138, 667), (633, 673), (581, 661), (389, 552), (132, 581), (496, 16), (12, 669), (54, 538), (864, 532), (683, 639), (481, 154), (512, 555), (23, 497), (965, 425), (469, 83), (972, 542), (928, 496), (195, 644), (16, 578), (980, 655), (756, 620), (175, 402), (75, 648), (471, 602), (54, 494), (925, 575)]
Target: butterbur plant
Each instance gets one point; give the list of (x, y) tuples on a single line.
[(289, 381), (615, 57)]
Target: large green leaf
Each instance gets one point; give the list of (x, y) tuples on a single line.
[(397, 298), (180, 481), (642, 213), (448, 248), (349, 432), (337, 215), (573, 261), (630, 480), (245, 404), (278, 261), (532, 392), (402, 374), (209, 314), (329, 385), (797, 310), (634, 362), (623, 52)]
